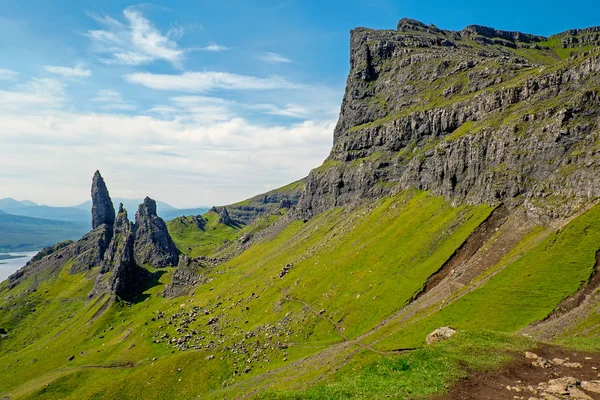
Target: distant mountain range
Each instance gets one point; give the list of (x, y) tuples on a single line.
[(19, 233), (26, 226), (81, 212)]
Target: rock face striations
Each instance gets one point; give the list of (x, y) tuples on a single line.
[(115, 250), (479, 115), (153, 244)]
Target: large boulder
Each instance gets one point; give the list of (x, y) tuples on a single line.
[(440, 334), (153, 244)]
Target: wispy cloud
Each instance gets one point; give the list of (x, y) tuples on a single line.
[(196, 108), (207, 81), (274, 58), (218, 162), (112, 100), (7, 74), (212, 46), (290, 110), (135, 42), (78, 71), (37, 95)]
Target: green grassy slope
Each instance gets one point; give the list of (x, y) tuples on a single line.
[(198, 241), (523, 291), (351, 269)]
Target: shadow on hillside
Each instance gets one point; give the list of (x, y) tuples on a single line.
[(140, 294)]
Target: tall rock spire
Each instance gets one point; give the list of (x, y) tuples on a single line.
[(103, 211)]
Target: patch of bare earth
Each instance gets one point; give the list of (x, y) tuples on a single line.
[(548, 373)]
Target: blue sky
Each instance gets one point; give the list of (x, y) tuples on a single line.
[(194, 102)]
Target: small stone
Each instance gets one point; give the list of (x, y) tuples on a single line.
[(573, 365), (72, 358)]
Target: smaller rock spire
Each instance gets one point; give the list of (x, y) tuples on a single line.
[(153, 244), (103, 211)]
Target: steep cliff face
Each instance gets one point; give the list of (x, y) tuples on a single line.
[(479, 116)]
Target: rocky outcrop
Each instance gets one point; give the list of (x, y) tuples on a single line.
[(103, 211), (189, 273), (153, 244), (248, 211), (115, 250), (224, 217), (425, 108), (119, 274), (46, 251), (89, 250)]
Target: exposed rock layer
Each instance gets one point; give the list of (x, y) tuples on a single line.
[(471, 115)]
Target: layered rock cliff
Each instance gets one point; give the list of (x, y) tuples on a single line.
[(478, 115)]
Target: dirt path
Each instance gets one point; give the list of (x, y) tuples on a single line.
[(521, 379)]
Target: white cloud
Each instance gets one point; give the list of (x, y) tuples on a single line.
[(7, 74), (78, 71), (135, 42), (112, 100), (212, 46), (209, 80), (290, 110), (39, 95), (199, 163), (274, 58)]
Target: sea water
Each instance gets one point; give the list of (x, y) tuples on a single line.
[(10, 265)]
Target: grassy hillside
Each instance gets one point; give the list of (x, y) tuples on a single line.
[(331, 318), (26, 234)]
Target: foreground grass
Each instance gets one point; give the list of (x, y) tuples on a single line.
[(423, 372)]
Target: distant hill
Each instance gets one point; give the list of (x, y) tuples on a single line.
[(8, 203), (81, 212), (26, 233), (164, 210)]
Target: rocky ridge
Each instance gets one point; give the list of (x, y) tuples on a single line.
[(114, 252), (478, 116)]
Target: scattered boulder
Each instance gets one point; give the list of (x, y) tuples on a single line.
[(285, 270), (440, 334)]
